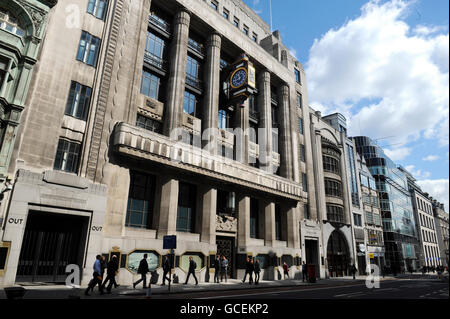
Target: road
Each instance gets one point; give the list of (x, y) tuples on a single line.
[(395, 289)]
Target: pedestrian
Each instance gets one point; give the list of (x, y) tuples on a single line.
[(142, 270), (354, 270), (304, 272), (97, 278), (111, 272), (217, 269), (285, 270), (257, 270), (192, 267), (251, 270), (248, 271), (166, 270), (224, 269)]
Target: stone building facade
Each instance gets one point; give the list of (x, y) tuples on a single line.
[(441, 224), (96, 149)]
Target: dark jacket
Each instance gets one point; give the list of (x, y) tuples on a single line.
[(103, 266), (249, 267), (257, 268), (166, 265), (217, 264), (304, 268), (113, 266), (143, 267), (192, 265)]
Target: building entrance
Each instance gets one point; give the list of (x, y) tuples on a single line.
[(50, 243), (312, 255), (225, 247), (338, 256)]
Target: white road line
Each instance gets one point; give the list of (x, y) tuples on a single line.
[(350, 294)]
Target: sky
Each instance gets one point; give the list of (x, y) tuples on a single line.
[(385, 66)]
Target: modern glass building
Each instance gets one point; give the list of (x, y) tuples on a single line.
[(400, 235)]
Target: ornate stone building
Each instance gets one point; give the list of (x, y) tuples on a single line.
[(111, 155)]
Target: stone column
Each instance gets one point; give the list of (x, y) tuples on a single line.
[(344, 181), (285, 132), (241, 126), (173, 109), (269, 211), (243, 220), (318, 178), (168, 207), (209, 206), (293, 232), (265, 104), (212, 88)]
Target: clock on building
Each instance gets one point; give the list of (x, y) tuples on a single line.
[(238, 78)]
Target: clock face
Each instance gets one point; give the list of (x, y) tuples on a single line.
[(239, 78)]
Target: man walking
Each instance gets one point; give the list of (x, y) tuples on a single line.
[(257, 271), (217, 269), (97, 278), (224, 269), (166, 269), (111, 271), (285, 270), (248, 270), (142, 270), (192, 267), (304, 272), (354, 271)]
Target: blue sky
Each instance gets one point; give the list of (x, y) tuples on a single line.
[(384, 65)]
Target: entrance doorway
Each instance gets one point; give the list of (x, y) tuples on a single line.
[(312, 254), (225, 247), (50, 243), (338, 256)]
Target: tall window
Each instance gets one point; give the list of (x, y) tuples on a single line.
[(10, 23), (88, 49), (150, 84), (357, 220), (148, 124), (305, 182), (186, 208), (224, 119), (330, 164), (277, 222), (3, 71), (97, 8), (154, 50), (67, 156), (275, 140), (190, 103), (297, 76), (140, 200), (302, 153), (78, 101), (226, 14), (353, 178), (192, 72), (254, 214), (299, 100), (300, 126), (307, 213)]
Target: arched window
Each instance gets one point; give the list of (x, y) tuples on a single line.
[(10, 23)]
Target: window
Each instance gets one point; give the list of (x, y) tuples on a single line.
[(97, 8), (78, 101), (140, 200), (277, 222), (192, 72), (4, 64), (302, 153), (300, 125), (297, 76), (307, 213), (357, 219), (154, 50), (226, 14), (254, 220), (215, 5), (186, 208), (335, 213), (148, 124), (305, 182), (224, 119), (190, 103), (10, 23), (299, 100), (330, 164), (150, 84), (236, 22), (275, 140), (67, 156), (88, 49), (246, 30), (255, 37), (253, 133), (369, 218), (333, 188)]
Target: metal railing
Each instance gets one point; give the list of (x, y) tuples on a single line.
[(197, 47), (158, 22), (193, 81), (154, 60)]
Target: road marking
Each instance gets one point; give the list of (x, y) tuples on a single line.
[(353, 294)]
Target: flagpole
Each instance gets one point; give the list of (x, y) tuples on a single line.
[(271, 24)]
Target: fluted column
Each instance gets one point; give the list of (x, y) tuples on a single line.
[(212, 88), (285, 133), (293, 233), (209, 206), (265, 103), (269, 214), (243, 220), (168, 207), (173, 111), (344, 181), (242, 122)]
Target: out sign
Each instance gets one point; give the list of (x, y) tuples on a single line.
[(97, 228)]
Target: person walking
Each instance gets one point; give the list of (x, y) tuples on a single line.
[(224, 269), (354, 270), (142, 270), (248, 267), (166, 270), (304, 272), (97, 278), (192, 267), (257, 271), (285, 270), (111, 272), (217, 269)]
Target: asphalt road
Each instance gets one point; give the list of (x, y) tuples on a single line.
[(396, 289)]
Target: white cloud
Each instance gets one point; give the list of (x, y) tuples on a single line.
[(438, 189), (431, 158), (398, 154), (417, 173), (394, 79)]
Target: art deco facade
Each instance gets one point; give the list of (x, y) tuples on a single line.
[(441, 224)]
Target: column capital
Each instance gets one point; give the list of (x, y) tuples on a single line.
[(264, 76), (183, 17), (214, 40), (284, 90)]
